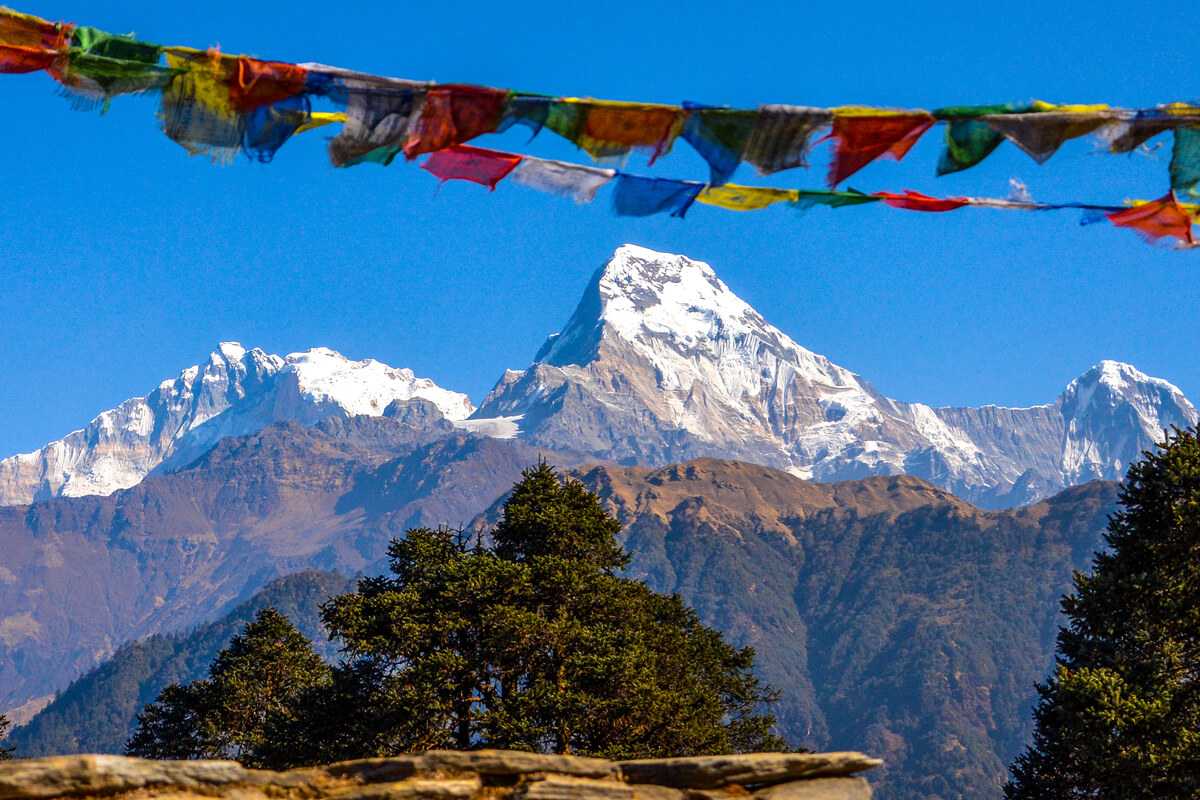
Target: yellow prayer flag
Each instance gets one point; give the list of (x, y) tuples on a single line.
[(745, 198)]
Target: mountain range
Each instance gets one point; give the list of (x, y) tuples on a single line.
[(660, 363), (896, 565)]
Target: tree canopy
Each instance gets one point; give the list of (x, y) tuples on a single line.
[(536, 643), (1120, 715), (257, 677)]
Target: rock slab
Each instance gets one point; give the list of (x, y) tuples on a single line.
[(448, 775)]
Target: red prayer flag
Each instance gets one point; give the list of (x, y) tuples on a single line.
[(24, 59), (454, 115), (475, 164), (861, 139), (915, 201), (254, 84), (1152, 221)]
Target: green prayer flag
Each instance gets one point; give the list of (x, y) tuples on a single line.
[(969, 140), (1185, 161), (816, 197), (122, 48)]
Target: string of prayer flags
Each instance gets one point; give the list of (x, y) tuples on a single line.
[(465, 163), (560, 178), (29, 44), (219, 105), (865, 134), (452, 115), (1153, 221)]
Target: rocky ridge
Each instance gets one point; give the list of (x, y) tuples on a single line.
[(450, 775), (661, 363), (235, 392)]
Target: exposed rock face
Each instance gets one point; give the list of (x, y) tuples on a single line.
[(661, 363), (441, 775), (237, 391), (80, 576)]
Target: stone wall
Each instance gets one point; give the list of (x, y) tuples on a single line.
[(448, 775)]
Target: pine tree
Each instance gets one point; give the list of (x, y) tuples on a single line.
[(6, 753), (539, 644), (1120, 715), (253, 682)]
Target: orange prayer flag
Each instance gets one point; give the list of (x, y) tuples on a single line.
[(619, 126), (1154, 220), (862, 138), (254, 84), (28, 43)]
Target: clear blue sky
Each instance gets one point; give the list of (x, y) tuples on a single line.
[(124, 260)]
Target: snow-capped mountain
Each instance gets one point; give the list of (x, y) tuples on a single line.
[(236, 392), (661, 362)]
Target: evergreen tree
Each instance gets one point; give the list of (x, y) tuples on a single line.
[(539, 644), (256, 679), (1120, 715), (6, 753)]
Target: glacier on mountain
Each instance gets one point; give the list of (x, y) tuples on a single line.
[(237, 391), (661, 362)]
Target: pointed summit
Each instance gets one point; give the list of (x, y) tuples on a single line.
[(234, 392), (662, 362)]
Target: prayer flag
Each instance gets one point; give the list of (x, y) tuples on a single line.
[(558, 177), (465, 163), (780, 137), (640, 197), (806, 199), (101, 66), (254, 84), (969, 139), (530, 110), (719, 135), (1042, 132), (196, 110), (454, 115), (865, 134), (613, 129), (915, 201), (1185, 160), (379, 111), (28, 43), (745, 198), (269, 127), (1152, 221)]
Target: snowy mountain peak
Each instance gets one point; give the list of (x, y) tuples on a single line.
[(234, 392), (661, 362)]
